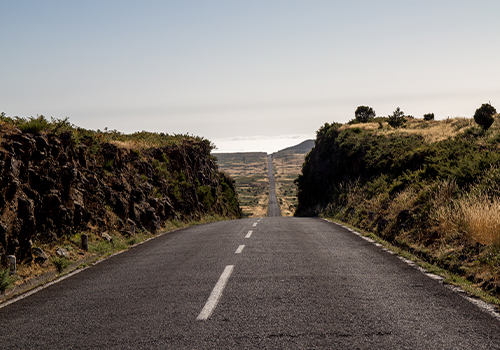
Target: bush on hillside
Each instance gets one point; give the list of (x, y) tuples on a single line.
[(5, 280), (397, 119), (363, 114), (386, 164), (484, 115), (429, 116), (34, 125)]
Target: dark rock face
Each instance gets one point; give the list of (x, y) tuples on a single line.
[(53, 187)]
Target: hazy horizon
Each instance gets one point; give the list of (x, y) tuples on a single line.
[(259, 143), (233, 72)]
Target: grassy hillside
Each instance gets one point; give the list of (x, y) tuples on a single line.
[(302, 148), (431, 187)]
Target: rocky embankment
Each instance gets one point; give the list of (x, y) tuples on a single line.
[(59, 184), (430, 188)]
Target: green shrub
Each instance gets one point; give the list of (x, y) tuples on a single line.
[(108, 165), (429, 116), (161, 168), (164, 158), (60, 263), (101, 247), (484, 115), (5, 280), (364, 114), (33, 125), (204, 194), (397, 119)]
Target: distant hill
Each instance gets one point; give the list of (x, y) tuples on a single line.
[(302, 148)]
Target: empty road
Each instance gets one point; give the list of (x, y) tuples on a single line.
[(273, 208), (269, 283)]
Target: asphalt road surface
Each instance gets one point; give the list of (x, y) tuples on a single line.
[(273, 208), (269, 283)]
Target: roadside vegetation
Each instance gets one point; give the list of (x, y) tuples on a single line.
[(92, 138), (426, 186)]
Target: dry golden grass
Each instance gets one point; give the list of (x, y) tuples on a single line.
[(133, 144), (474, 216), (27, 271), (432, 130), (287, 169), (481, 217), (403, 200)]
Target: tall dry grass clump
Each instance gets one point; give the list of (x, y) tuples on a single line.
[(481, 218), (443, 213), (403, 200), (474, 216)]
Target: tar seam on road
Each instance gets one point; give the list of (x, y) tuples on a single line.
[(214, 297), (240, 249), (249, 234)]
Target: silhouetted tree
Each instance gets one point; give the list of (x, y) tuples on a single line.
[(397, 119), (364, 113), (484, 115), (429, 116)]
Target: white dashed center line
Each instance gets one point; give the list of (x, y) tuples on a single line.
[(254, 224), (239, 250), (249, 234), (214, 297)]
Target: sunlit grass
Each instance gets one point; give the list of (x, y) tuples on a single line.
[(431, 131)]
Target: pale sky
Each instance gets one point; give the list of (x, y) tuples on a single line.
[(245, 70)]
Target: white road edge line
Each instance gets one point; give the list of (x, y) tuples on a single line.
[(77, 271), (249, 234), (214, 297), (240, 249), (37, 289), (482, 305)]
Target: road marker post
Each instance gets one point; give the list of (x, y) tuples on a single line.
[(12, 264), (85, 242)]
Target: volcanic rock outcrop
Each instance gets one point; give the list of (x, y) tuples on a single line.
[(56, 185)]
